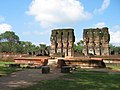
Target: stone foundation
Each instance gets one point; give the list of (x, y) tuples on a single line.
[(85, 63), (32, 61)]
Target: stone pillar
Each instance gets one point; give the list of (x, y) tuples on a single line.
[(59, 42), (53, 44), (85, 42), (105, 41), (97, 48), (91, 43), (96, 41), (62, 41), (65, 42), (70, 43)]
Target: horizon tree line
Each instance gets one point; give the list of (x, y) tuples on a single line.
[(10, 43)]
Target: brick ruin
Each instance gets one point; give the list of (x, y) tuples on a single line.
[(96, 41), (62, 41)]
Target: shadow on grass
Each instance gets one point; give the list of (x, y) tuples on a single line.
[(6, 70), (90, 80)]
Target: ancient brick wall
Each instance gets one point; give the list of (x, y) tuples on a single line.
[(96, 41), (62, 41)]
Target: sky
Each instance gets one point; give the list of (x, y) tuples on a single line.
[(33, 20)]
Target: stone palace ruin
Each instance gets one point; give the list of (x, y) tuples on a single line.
[(96, 41), (62, 41)]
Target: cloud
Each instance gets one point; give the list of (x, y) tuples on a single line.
[(100, 25), (49, 12), (37, 43), (104, 6), (5, 27), (115, 35)]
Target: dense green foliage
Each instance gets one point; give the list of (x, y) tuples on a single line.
[(9, 42), (80, 80), (78, 47), (114, 49)]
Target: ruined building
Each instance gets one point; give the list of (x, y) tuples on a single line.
[(96, 41), (62, 41)]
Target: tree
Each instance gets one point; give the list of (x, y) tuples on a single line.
[(80, 43), (9, 42), (79, 46), (42, 45), (114, 49), (9, 36), (8, 39)]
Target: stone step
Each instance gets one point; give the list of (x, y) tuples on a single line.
[(52, 61)]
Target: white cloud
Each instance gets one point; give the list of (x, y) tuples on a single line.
[(116, 28), (100, 25), (49, 12), (97, 25), (115, 35), (37, 43), (104, 6), (5, 27)]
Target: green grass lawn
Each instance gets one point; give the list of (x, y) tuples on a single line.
[(114, 67), (6, 70), (2, 64), (80, 80)]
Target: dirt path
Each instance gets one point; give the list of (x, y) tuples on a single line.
[(29, 77), (26, 78)]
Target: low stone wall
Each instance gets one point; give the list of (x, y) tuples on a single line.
[(32, 61), (112, 61), (83, 63), (8, 55), (86, 63)]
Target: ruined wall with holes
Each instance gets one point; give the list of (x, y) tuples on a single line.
[(96, 41), (62, 41)]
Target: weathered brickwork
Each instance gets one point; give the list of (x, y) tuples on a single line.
[(62, 41), (96, 41)]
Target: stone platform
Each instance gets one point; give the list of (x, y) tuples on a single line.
[(85, 62), (41, 61), (79, 62)]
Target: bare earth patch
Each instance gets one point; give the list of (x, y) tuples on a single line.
[(26, 78), (30, 77)]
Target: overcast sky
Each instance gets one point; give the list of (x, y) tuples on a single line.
[(33, 20)]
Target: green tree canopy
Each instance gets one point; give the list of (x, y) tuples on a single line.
[(79, 46), (9, 36)]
